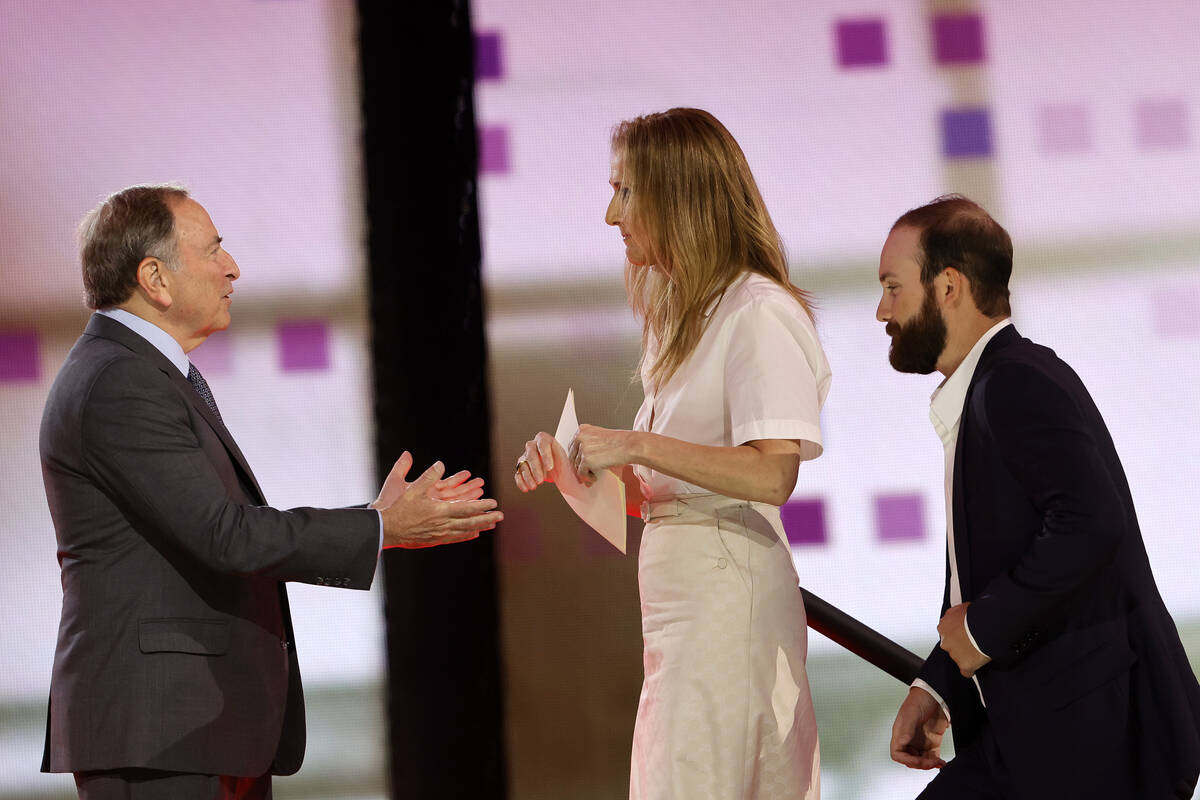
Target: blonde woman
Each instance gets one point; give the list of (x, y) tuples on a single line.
[(734, 380)]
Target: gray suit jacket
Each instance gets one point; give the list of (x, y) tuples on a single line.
[(175, 647)]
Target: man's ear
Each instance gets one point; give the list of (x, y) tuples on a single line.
[(955, 288), (154, 281)]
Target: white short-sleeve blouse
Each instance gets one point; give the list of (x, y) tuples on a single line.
[(758, 372)]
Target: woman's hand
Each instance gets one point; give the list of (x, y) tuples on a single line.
[(594, 449), (540, 463)]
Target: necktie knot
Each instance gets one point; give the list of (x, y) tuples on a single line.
[(201, 386)]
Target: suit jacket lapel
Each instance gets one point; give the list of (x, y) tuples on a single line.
[(962, 541), (102, 326), (218, 428)]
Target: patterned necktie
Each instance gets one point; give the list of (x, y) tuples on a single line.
[(201, 386)]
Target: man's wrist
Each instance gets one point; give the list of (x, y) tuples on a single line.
[(923, 687), (970, 638)]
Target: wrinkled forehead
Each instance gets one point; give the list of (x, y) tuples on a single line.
[(192, 223)]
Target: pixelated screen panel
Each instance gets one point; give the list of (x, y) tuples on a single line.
[(1073, 124), (820, 99), (254, 107)]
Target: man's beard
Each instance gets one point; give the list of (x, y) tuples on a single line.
[(917, 345)]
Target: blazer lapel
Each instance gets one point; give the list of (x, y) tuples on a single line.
[(102, 326), (962, 541), (218, 428)]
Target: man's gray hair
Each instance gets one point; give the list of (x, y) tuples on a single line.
[(116, 235)]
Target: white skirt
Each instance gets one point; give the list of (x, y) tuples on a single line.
[(725, 711)]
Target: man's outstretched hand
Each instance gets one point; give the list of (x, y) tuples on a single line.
[(433, 510), (455, 487)]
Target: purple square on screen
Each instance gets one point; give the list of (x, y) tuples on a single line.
[(488, 62), (861, 42), (804, 521), (899, 517), (519, 537), (966, 133), (1064, 128), (1162, 125), (19, 356), (215, 356), (1174, 316), (958, 38), (493, 150), (303, 345)]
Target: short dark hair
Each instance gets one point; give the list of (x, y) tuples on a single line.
[(116, 235), (958, 232)]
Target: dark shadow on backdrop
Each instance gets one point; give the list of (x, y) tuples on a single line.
[(431, 389)]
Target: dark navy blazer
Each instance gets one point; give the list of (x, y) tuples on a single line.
[(1089, 692)]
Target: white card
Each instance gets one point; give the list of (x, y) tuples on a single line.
[(601, 505)]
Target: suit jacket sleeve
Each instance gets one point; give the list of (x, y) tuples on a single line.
[(943, 676), (1038, 429), (138, 440)]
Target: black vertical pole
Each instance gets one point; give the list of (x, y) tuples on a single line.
[(431, 388)]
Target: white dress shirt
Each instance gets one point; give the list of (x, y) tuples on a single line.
[(945, 412), (758, 372)]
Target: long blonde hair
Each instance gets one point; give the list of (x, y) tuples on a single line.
[(693, 194)]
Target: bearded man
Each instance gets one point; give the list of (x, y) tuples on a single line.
[(1058, 663)]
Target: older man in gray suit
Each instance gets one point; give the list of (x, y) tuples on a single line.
[(175, 674)]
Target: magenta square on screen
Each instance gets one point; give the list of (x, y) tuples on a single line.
[(303, 345), (804, 521), (19, 356), (1064, 128), (958, 38), (899, 517), (493, 150), (215, 356), (1174, 314), (861, 42), (488, 62), (519, 536), (1162, 124), (966, 133)]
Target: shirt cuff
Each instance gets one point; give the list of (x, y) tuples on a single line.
[(971, 638), (380, 513), (920, 684)]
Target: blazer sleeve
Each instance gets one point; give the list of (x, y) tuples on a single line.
[(939, 671), (1040, 431), (138, 442)]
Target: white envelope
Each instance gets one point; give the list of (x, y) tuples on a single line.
[(601, 505)]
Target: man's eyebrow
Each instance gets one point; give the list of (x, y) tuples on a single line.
[(884, 276)]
